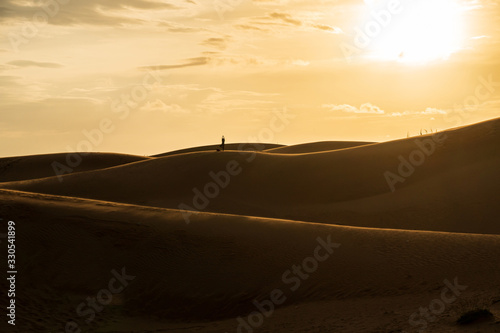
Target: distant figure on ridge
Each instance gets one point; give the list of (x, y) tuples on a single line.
[(223, 142)]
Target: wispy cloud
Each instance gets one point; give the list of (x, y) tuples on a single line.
[(218, 43), (160, 106), (199, 61), (305, 22), (366, 108), (91, 12), (428, 111), (29, 63), (286, 18), (328, 28), (178, 28), (250, 27)]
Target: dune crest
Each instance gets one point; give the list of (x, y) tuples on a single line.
[(48, 165), (212, 268), (314, 147), (456, 182), (318, 242)]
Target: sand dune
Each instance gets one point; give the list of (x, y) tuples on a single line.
[(228, 146), (314, 147), (212, 268), (40, 166), (295, 242), (457, 182)]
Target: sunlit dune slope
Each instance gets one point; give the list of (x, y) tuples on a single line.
[(213, 266), (228, 146), (455, 187), (316, 147), (40, 166)]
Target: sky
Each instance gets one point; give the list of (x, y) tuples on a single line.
[(148, 76)]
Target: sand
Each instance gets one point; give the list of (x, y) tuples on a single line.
[(255, 146), (49, 165), (314, 147), (314, 239)]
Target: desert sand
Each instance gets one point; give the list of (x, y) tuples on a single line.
[(304, 238)]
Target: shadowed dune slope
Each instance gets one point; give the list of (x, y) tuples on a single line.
[(212, 267), (40, 166), (316, 147), (228, 146), (455, 187)]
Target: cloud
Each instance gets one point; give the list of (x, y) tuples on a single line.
[(91, 12), (219, 101), (306, 22), (366, 108), (276, 18), (300, 62), (219, 59), (218, 43), (199, 61), (328, 28), (181, 99), (428, 111), (250, 27), (369, 108), (19, 89), (433, 111), (29, 63), (177, 28), (287, 18), (159, 106)]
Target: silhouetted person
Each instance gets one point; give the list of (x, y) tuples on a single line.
[(223, 142)]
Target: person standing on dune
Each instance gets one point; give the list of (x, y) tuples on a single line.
[(223, 142)]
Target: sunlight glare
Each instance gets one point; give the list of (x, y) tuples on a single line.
[(425, 30)]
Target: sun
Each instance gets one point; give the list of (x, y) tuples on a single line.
[(422, 31)]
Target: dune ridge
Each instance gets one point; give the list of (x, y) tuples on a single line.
[(211, 267), (314, 147), (42, 166), (456, 182), (228, 146), (324, 228)]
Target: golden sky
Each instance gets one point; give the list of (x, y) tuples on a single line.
[(148, 76)]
